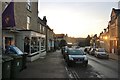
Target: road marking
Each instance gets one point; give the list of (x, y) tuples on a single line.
[(68, 72)]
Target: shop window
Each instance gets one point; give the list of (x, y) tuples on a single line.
[(27, 45), (42, 44), (9, 41), (34, 44)]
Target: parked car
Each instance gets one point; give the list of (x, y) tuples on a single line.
[(62, 49), (76, 56), (92, 51), (87, 49), (65, 52), (101, 53)]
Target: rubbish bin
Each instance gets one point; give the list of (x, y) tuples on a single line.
[(15, 50), (24, 61), (16, 65), (6, 67)]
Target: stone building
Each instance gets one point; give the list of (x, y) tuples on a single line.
[(111, 37), (26, 29), (49, 39), (29, 29)]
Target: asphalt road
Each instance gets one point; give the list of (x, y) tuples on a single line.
[(107, 68), (54, 66), (97, 68)]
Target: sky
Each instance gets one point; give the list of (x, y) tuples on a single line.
[(77, 18)]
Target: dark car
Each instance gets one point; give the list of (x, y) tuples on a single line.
[(87, 49), (101, 53), (76, 56), (63, 49), (92, 51)]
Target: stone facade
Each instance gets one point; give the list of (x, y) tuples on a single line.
[(111, 37), (21, 12), (49, 39)]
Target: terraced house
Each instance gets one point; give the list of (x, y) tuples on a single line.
[(29, 31), (111, 35)]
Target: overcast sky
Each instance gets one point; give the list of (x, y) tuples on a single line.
[(77, 18)]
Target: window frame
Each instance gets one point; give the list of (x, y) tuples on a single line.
[(28, 22)]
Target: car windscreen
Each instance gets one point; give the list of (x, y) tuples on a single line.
[(18, 50), (76, 52), (101, 50)]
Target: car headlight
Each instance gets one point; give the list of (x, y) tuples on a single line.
[(85, 58), (65, 51)]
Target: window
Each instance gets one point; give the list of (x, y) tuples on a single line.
[(43, 29), (29, 4), (28, 22), (40, 27), (34, 44)]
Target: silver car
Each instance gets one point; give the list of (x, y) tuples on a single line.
[(101, 53)]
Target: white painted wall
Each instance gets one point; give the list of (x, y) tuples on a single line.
[(0, 40)]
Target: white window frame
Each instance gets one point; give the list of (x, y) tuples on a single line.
[(40, 27), (29, 4), (28, 22), (43, 29)]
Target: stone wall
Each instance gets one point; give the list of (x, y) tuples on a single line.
[(0, 40)]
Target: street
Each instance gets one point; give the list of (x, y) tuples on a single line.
[(59, 39), (97, 68), (54, 66)]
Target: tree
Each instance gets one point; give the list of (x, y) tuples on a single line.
[(62, 43)]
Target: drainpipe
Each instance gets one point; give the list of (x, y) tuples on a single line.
[(46, 41)]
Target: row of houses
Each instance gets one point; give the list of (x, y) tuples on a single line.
[(110, 37), (30, 34)]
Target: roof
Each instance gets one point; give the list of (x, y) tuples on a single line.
[(117, 11), (59, 35), (41, 21)]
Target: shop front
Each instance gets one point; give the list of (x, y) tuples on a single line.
[(50, 45), (8, 38), (32, 43)]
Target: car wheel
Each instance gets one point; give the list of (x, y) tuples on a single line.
[(69, 64), (85, 64)]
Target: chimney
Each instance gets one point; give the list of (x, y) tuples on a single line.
[(104, 30), (45, 20)]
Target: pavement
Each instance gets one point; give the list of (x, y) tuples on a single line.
[(114, 56), (52, 66)]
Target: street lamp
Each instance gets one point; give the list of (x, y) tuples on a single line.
[(105, 37)]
